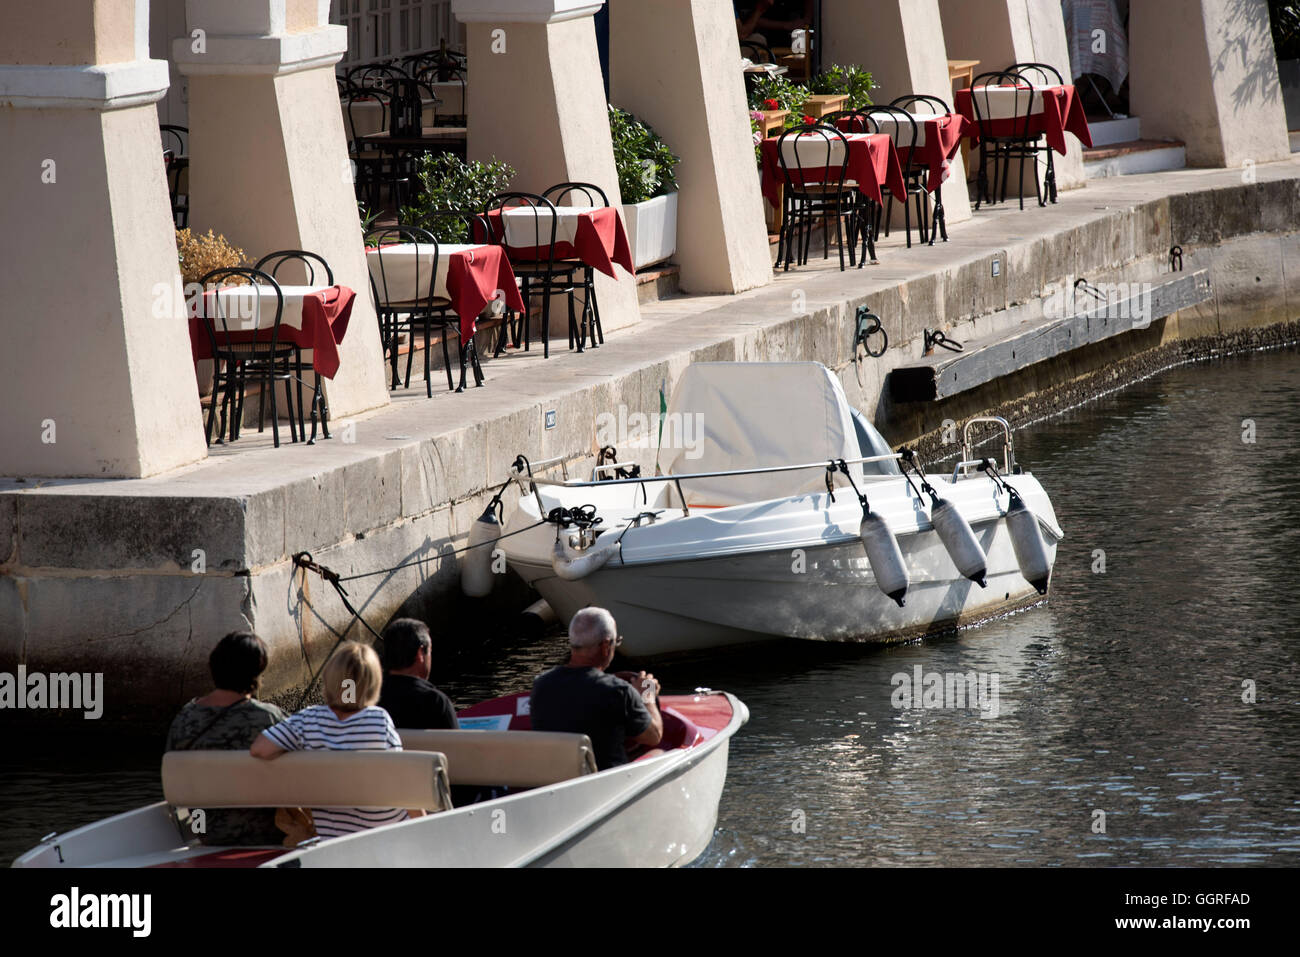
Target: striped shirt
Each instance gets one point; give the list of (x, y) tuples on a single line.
[(318, 728)]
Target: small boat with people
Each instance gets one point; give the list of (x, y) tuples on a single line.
[(785, 515), (549, 805)]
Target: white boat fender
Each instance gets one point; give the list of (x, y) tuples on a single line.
[(949, 524), (959, 539), (574, 567), (1027, 542), (476, 578), (884, 555)]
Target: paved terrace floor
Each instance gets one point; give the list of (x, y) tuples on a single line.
[(669, 328)]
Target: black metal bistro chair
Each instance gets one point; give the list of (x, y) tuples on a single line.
[(1042, 74), (176, 156), (864, 225), (376, 170), (530, 246), (814, 163), (412, 308), (311, 270), (267, 359), (903, 131), (587, 195), (1009, 139)]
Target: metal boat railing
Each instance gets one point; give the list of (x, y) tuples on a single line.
[(677, 480), (967, 450)]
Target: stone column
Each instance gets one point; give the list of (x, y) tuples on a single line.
[(1001, 32), (674, 65), (1205, 72), (901, 42), (95, 370), (269, 165), (537, 101)]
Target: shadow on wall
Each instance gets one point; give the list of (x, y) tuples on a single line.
[(1249, 29)]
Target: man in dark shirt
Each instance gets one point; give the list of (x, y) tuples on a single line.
[(407, 694), (581, 698)]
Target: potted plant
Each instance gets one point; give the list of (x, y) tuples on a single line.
[(648, 185)]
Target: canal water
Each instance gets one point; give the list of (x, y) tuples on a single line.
[(1148, 714)]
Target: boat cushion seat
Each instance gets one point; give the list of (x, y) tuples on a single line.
[(516, 759), (363, 779)]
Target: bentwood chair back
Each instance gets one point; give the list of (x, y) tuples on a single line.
[(1040, 74), (922, 103)]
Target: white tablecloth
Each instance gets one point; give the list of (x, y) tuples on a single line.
[(405, 269), (815, 149), (1005, 102), (900, 131), (529, 226), (253, 307)]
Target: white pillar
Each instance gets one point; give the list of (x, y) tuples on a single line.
[(537, 101), (95, 371), (1205, 72), (269, 166), (694, 98), (902, 43)]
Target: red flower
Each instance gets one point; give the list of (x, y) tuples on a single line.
[(771, 104), (809, 120)]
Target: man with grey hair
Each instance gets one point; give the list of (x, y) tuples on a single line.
[(581, 698)]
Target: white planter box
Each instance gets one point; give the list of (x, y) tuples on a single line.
[(651, 229)]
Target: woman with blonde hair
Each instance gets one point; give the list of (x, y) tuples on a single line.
[(348, 721)]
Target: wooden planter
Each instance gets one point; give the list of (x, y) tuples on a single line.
[(820, 104), (773, 122)]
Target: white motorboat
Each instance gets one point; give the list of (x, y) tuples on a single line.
[(786, 515), (657, 811)]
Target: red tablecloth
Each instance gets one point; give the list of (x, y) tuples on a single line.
[(1062, 113), (325, 316), (473, 278), (873, 162), (599, 241)]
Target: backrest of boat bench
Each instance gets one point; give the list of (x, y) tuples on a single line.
[(517, 759), (382, 779)]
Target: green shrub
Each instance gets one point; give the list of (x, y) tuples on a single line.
[(448, 183), (851, 80), (644, 163)]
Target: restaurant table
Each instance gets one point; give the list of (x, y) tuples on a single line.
[(1053, 111), (469, 275), (429, 139), (872, 163), (366, 116), (593, 235), (938, 140), (314, 317)]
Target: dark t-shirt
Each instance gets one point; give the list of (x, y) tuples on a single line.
[(589, 701), (415, 703), (204, 727)]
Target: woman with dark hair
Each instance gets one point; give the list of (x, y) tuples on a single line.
[(230, 719)]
